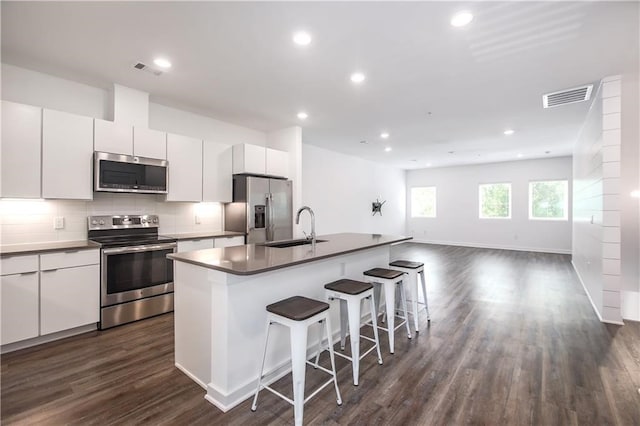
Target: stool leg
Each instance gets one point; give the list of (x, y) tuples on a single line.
[(374, 321), (390, 302), (414, 296), (376, 297), (298, 361), (424, 292), (264, 356), (333, 362), (354, 331), (344, 317), (403, 297)]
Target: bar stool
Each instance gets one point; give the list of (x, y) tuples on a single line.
[(351, 293), (414, 269), (389, 279), (298, 313)]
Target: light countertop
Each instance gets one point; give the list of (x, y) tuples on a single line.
[(205, 234), (254, 259), (33, 248)]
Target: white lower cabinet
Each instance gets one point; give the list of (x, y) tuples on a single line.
[(65, 294), (69, 298), (228, 242), (191, 245), (19, 304)]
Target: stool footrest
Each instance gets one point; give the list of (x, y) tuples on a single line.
[(290, 401), (330, 381)]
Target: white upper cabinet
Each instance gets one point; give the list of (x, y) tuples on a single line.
[(20, 155), (113, 137), (277, 163), (217, 172), (149, 143), (258, 160), (249, 159), (185, 168), (67, 155)]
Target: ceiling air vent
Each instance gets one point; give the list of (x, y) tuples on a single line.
[(568, 96), (143, 67)]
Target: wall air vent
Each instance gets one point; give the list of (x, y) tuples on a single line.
[(568, 96), (144, 67)]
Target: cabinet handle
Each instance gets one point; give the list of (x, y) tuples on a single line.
[(71, 251), (29, 273), (50, 270)]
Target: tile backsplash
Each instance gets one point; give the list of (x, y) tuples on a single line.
[(32, 221)]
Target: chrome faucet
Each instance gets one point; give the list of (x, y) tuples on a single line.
[(313, 224)]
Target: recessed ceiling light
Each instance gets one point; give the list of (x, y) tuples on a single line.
[(547, 152), (384, 135), (302, 38), (162, 63), (428, 164), (509, 132), (387, 149), (461, 19), (302, 115), (357, 77), (520, 155), (363, 142)]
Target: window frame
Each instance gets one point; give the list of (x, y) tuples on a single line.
[(435, 202), (566, 201), (480, 199)]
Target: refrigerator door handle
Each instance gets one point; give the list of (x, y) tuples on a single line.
[(269, 225)]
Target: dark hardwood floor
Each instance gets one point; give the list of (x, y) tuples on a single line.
[(513, 340)]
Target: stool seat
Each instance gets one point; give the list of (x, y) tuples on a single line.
[(388, 274), (297, 308), (406, 264), (347, 286)]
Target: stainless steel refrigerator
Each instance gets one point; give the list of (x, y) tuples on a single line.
[(261, 208)]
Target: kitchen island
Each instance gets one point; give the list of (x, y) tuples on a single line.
[(220, 300)]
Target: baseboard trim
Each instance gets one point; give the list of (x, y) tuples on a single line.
[(191, 376), (491, 246), (593, 305), (35, 341)]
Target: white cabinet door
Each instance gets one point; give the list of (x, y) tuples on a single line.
[(69, 298), (249, 159), (20, 156), (277, 163), (228, 242), (191, 245), (67, 154), (112, 137), (149, 143), (217, 173), (185, 168), (19, 304)]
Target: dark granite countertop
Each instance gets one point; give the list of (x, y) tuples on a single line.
[(254, 259), (34, 248), (205, 234)]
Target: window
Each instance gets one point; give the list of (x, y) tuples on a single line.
[(549, 200), (423, 201), (495, 200)]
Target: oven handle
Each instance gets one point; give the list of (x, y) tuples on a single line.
[(137, 249)]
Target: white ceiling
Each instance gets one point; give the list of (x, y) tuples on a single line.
[(433, 87)]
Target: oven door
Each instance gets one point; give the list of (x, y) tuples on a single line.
[(131, 273)]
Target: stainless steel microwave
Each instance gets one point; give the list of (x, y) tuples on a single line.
[(126, 173)]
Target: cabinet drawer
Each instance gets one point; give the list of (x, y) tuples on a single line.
[(191, 245), (228, 242), (68, 259), (19, 264)]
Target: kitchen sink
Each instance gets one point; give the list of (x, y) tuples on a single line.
[(291, 243)]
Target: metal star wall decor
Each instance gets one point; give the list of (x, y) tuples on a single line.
[(376, 207)]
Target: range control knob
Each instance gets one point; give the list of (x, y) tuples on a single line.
[(94, 222), (155, 220), (143, 220), (102, 222)]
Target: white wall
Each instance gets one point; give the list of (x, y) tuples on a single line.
[(599, 231), (629, 206), (457, 221), (290, 140), (340, 189)]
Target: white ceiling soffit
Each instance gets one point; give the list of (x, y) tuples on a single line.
[(567, 96)]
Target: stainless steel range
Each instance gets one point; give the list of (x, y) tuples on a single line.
[(136, 278)]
